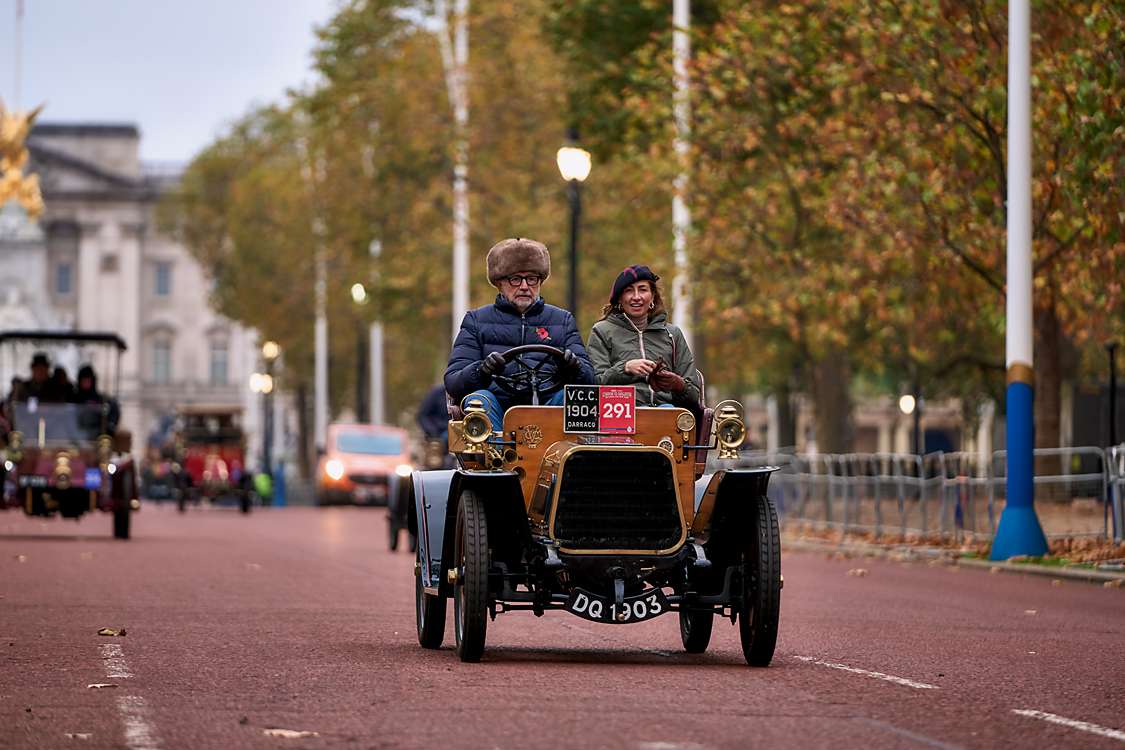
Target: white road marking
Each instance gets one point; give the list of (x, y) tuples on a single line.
[(139, 732), (869, 673), (1084, 726), (114, 659)]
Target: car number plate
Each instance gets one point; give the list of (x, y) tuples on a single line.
[(589, 606), (603, 409)]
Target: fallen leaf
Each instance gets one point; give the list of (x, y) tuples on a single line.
[(1114, 584), (112, 631), (859, 572), (21, 558), (244, 720), (289, 734), (78, 735), (994, 569), (253, 566), (1031, 611), (1056, 582), (86, 556), (100, 685)]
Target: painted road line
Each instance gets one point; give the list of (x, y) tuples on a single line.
[(869, 673), (114, 658), (139, 732), (1085, 726)]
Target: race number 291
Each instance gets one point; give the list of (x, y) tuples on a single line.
[(607, 409)]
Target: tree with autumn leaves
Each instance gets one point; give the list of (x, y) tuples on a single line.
[(847, 187)]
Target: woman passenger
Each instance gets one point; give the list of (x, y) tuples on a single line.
[(634, 344)]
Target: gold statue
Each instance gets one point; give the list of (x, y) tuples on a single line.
[(14, 184)]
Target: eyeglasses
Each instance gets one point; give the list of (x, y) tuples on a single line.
[(516, 280)]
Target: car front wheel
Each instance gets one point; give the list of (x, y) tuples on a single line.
[(760, 609), (470, 592), (695, 629)]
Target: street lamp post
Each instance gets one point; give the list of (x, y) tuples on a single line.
[(574, 165), (270, 352), (359, 296)]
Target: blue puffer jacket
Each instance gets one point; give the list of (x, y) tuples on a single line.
[(499, 327)]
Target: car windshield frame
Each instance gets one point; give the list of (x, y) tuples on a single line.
[(369, 443), (48, 422)]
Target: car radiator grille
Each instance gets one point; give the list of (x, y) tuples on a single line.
[(613, 501)]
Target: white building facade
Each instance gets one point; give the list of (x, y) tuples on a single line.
[(96, 261)]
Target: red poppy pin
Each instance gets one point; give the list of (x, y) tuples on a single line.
[(542, 333)]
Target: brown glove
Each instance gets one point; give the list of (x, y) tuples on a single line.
[(667, 380)]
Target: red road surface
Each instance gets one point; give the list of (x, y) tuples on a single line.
[(299, 619)]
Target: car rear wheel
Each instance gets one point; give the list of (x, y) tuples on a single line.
[(470, 592), (761, 586), (695, 629), (430, 611), (121, 511), (392, 532)]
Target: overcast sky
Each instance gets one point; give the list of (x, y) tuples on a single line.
[(178, 69)]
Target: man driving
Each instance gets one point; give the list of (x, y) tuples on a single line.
[(477, 366)]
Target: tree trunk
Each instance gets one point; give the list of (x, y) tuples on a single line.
[(831, 391), (305, 446), (1048, 386), (1048, 377), (786, 417)]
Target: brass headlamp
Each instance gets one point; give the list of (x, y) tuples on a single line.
[(105, 448), (476, 425), (62, 471), (730, 429)]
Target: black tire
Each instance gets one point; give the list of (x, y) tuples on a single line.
[(470, 593), (761, 586), (695, 630), (392, 534), (121, 518), (126, 490), (430, 612)]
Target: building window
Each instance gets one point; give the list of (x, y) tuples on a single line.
[(63, 280), (163, 279), (162, 361), (220, 359)]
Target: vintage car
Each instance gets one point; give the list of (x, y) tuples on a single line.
[(211, 449), (362, 464), (61, 456), (599, 508)]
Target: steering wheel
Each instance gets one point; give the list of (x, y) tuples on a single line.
[(529, 379)]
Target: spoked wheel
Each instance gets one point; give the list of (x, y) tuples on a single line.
[(430, 611), (470, 593), (761, 586), (695, 629)]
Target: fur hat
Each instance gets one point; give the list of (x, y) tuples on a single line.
[(517, 254)]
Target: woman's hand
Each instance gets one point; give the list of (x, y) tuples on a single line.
[(642, 368), (666, 380)]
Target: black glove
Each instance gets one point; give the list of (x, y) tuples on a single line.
[(493, 364), (571, 364)]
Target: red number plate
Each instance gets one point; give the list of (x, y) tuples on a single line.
[(617, 410)]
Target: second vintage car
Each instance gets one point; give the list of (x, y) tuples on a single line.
[(598, 508)]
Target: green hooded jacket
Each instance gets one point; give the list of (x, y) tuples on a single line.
[(615, 340)]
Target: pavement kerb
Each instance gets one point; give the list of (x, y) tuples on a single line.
[(906, 553)]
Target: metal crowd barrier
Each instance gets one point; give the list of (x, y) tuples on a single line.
[(1078, 491)]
